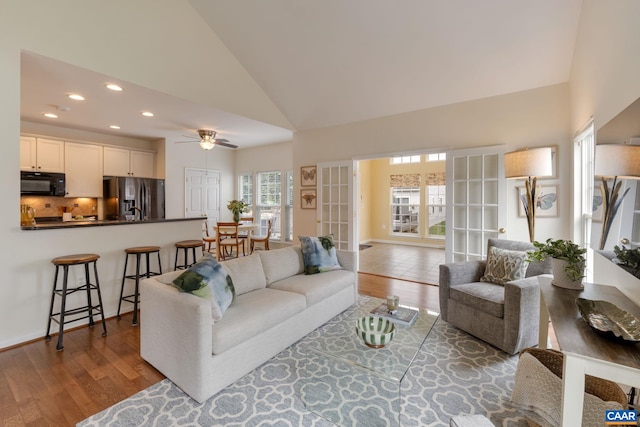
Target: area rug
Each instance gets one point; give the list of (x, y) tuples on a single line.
[(453, 374)]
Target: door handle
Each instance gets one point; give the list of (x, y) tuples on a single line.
[(502, 230)]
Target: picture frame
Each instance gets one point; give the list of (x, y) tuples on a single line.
[(308, 176), (308, 198), (596, 214), (547, 201), (554, 163)]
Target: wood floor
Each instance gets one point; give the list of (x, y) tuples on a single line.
[(40, 386)]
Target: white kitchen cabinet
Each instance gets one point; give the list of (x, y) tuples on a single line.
[(123, 162), (41, 155), (83, 169)]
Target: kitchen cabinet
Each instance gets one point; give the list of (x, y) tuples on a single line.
[(123, 162), (83, 169), (41, 155)]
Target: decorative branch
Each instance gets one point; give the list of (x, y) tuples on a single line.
[(611, 201)]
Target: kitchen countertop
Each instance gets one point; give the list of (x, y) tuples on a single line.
[(100, 223)]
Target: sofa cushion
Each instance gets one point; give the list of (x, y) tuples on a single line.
[(319, 254), (208, 279), (504, 266), (485, 296), (246, 272), (317, 287), (281, 263), (253, 313)]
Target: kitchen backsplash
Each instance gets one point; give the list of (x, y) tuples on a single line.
[(49, 206)]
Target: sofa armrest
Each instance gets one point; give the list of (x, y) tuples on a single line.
[(521, 309), (347, 259), (175, 333)]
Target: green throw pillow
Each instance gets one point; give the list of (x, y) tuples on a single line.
[(504, 266), (319, 254), (208, 279)]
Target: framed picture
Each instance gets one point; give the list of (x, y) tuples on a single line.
[(308, 176), (554, 163), (308, 199), (596, 214), (547, 201)]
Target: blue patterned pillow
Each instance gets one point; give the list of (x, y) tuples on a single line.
[(207, 279), (319, 254), (504, 266)]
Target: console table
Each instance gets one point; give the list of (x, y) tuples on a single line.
[(585, 350)]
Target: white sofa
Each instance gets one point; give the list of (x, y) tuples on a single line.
[(275, 305)]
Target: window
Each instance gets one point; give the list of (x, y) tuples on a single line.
[(405, 159), (405, 210), (436, 210), (436, 157), (245, 188), (288, 207)]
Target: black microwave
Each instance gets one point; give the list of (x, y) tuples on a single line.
[(42, 184)]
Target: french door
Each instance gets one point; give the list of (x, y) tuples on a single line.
[(335, 203), (476, 208)]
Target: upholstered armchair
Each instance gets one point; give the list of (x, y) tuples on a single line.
[(504, 315)]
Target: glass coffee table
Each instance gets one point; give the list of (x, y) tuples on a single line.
[(350, 384)]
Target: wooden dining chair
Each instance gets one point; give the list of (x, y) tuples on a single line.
[(262, 239), (207, 239), (227, 239)]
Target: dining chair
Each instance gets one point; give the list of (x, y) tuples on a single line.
[(207, 239), (262, 239), (227, 238)]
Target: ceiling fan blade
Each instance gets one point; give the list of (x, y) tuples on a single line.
[(224, 144), (191, 136), (186, 142)]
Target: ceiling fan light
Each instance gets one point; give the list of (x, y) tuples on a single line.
[(206, 145)]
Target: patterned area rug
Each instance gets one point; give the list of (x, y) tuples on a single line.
[(453, 374)]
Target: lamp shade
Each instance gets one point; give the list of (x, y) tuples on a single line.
[(527, 163), (618, 160)]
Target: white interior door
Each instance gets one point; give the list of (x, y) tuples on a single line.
[(202, 194), (476, 208), (335, 203)]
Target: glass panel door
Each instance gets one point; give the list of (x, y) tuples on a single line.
[(335, 203)]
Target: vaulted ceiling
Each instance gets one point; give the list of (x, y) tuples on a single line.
[(330, 62)]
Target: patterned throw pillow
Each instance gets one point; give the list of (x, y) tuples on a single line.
[(504, 266), (207, 279), (319, 254)]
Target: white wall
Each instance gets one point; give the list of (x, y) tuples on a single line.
[(153, 43), (538, 117)]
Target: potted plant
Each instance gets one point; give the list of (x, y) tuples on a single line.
[(237, 207), (629, 259), (567, 261)]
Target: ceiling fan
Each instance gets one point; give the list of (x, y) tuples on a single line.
[(208, 140)]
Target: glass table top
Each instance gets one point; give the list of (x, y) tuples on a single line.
[(392, 361)]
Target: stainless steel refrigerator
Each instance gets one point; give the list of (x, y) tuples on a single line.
[(133, 199)]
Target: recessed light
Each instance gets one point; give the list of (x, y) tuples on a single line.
[(76, 97), (114, 127), (51, 115), (147, 113), (114, 87)]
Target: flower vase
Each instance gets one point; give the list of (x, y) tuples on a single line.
[(236, 217)]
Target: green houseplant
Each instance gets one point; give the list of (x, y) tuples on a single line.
[(237, 207), (629, 259), (567, 261)]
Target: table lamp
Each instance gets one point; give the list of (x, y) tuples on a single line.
[(529, 164), (614, 161)]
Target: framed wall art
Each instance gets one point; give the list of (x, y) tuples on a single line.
[(597, 209), (308, 198), (547, 201), (308, 176)]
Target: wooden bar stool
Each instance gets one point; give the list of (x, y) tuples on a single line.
[(185, 245), (90, 308), (134, 297)]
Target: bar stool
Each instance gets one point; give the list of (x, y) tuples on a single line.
[(92, 310), (138, 252), (185, 245)]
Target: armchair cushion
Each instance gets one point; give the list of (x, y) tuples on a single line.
[(504, 265), (488, 297)]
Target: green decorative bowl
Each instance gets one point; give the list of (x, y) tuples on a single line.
[(376, 332)]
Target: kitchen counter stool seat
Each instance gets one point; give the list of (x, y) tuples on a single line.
[(91, 309), (185, 245), (134, 298)]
